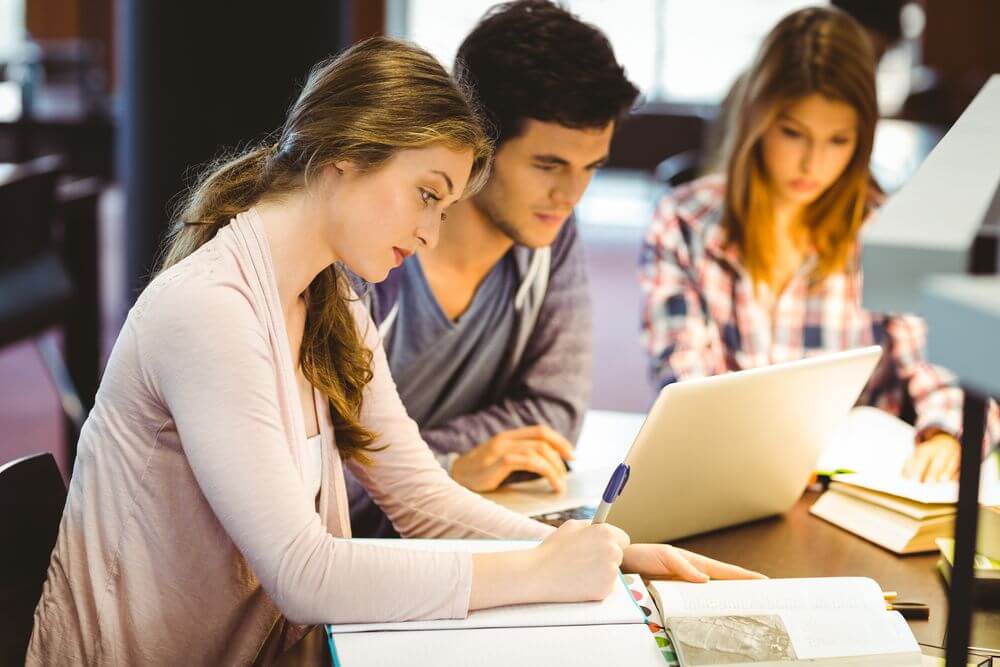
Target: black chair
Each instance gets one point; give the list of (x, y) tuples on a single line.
[(32, 497), (36, 291), (657, 130), (678, 169)]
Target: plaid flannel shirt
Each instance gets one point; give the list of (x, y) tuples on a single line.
[(700, 316)]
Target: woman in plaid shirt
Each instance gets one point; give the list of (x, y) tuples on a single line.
[(762, 265)]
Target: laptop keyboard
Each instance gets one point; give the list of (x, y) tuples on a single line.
[(559, 518)]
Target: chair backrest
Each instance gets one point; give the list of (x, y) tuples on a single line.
[(28, 202), (35, 289), (678, 169), (32, 497), (644, 138)]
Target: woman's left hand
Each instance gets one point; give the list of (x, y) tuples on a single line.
[(662, 561), (936, 459)]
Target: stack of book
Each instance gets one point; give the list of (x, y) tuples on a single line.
[(902, 517), (989, 531), (877, 503), (986, 588)]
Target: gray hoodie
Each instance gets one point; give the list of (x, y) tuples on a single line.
[(545, 373)]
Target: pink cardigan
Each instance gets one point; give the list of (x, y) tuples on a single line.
[(188, 536)]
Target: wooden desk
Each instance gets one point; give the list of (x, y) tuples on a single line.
[(801, 545)]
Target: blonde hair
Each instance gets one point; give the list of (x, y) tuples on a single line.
[(814, 50), (375, 99)]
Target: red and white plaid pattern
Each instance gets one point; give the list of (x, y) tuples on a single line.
[(701, 317)]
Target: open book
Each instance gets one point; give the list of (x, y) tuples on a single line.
[(609, 632), (777, 622), (869, 441), (874, 445)]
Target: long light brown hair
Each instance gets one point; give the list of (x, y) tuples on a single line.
[(377, 98), (814, 50)]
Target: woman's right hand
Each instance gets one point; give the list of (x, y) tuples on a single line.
[(579, 562), (576, 563)]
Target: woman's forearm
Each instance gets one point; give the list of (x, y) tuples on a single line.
[(502, 578)]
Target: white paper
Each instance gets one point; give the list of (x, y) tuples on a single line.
[(597, 646), (619, 607)]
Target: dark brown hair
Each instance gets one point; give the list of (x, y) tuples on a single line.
[(533, 59)]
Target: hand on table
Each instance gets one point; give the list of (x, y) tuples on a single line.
[(662, 561), (537, 449)]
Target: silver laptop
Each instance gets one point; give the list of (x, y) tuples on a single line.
[(723, 450)]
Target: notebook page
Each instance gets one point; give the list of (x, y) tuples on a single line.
[(764, 596), (617, 608), (602, 645)]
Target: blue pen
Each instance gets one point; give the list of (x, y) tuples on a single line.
[(614, 489)]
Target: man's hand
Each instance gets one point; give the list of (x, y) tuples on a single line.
[(935, 459), (537, 449)]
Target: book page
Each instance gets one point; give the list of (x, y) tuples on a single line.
[(617, 608), (765, 596), (608, 645), (833, 634), (869, 440)]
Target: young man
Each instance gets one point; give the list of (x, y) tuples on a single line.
[(488, 335)]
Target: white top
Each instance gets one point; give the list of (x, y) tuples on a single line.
[(314, 465)]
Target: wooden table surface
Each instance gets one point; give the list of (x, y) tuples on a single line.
[(801, 545)]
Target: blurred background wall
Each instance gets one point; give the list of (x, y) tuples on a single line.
[(108, 107)]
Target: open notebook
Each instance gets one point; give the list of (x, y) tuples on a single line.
[(777, 622), (610, 632)]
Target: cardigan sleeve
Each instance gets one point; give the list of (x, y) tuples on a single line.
[(207, 355)]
